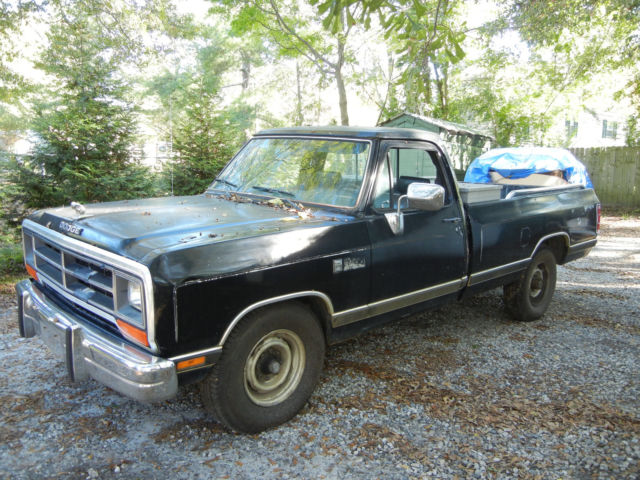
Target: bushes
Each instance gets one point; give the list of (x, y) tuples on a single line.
[(11, 261)]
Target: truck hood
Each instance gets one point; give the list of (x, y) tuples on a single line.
[(144, 229)]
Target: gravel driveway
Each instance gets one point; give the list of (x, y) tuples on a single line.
[(462, 392)]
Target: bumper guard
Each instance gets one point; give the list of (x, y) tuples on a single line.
[(89, 352)]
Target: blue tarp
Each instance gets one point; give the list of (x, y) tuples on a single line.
[(522, 162)]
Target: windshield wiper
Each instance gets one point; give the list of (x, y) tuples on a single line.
[(272, 190), (226, 182)]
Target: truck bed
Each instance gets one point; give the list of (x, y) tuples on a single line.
[(472, 193), (505, 231)]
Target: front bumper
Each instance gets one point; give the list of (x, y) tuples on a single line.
[(89, 352)]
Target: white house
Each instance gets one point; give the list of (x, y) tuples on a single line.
[(593, 129)]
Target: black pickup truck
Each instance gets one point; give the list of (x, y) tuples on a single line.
[(308, 236)]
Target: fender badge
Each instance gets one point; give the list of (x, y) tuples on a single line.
[(70, 228), (348, 263)]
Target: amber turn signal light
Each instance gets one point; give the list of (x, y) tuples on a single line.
[(132, 333), (31, 271)]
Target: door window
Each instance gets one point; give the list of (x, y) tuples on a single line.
[(401, 167)]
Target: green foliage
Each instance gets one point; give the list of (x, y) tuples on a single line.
[(13, 86), (12, 16), (205, 135), (86, 134), (205, 141), (633, 131), (494, 96), (585, 36), (11, 262), (427, 38), (293, 33), (104, 59)]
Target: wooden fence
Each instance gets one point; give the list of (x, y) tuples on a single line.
[(615, 173)]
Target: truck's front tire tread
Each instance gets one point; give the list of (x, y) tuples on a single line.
[(224, 391)]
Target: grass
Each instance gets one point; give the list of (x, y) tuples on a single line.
[(11, 267), (624, 212), (11, 261)]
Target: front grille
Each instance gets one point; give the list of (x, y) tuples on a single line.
[(95, 286), (88, 281), (67, 304)]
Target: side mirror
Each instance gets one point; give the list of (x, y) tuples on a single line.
[(423, 196)]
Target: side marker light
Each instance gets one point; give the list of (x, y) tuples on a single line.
[(193, 362)]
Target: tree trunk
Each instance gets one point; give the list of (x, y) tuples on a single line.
[(246, 71), (342, 93), (443, 91), (390, 95), (299, 118)]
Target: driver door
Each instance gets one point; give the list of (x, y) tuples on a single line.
[(427, 260)]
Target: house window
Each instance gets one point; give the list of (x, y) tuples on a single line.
[(571, 128), (609, 129)]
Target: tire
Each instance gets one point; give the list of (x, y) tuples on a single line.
[(529, 297), (269, 366)]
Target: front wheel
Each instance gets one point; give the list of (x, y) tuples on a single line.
[(529, 297), (269, 367)]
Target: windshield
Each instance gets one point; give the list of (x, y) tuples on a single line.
[(299, 169)]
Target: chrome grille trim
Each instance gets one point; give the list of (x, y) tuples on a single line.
[(61, 259), (73, 273)]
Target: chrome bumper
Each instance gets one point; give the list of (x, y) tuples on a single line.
[(88, 352)]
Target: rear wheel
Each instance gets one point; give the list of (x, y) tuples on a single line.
[(269, 367), (529, 297)]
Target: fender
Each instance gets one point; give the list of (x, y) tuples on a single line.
[(270, 301)]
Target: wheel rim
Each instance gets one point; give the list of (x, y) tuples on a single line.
[(538, 283), (274, 367)]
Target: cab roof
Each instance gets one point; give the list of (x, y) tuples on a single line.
[(353, 132)]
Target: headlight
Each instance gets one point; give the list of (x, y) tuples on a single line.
[(129, 299), (129, 310), (134, 295)]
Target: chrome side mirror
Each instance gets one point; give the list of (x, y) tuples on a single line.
[(425, 196), (422, 196)]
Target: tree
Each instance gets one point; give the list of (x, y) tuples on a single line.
[(207, 135), (580, 39), (292, 29), (87, 131), (13, 86), (425, 38)]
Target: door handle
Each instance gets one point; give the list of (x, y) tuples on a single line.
[(452, 220)]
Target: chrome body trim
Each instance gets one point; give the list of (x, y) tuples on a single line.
[(525, 191), (199, 353), (356, 314), (495, 272), (89, 352), (567, 241), (118, 262), (269, 301), (87, 306), (583, 245), (506, 269)]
